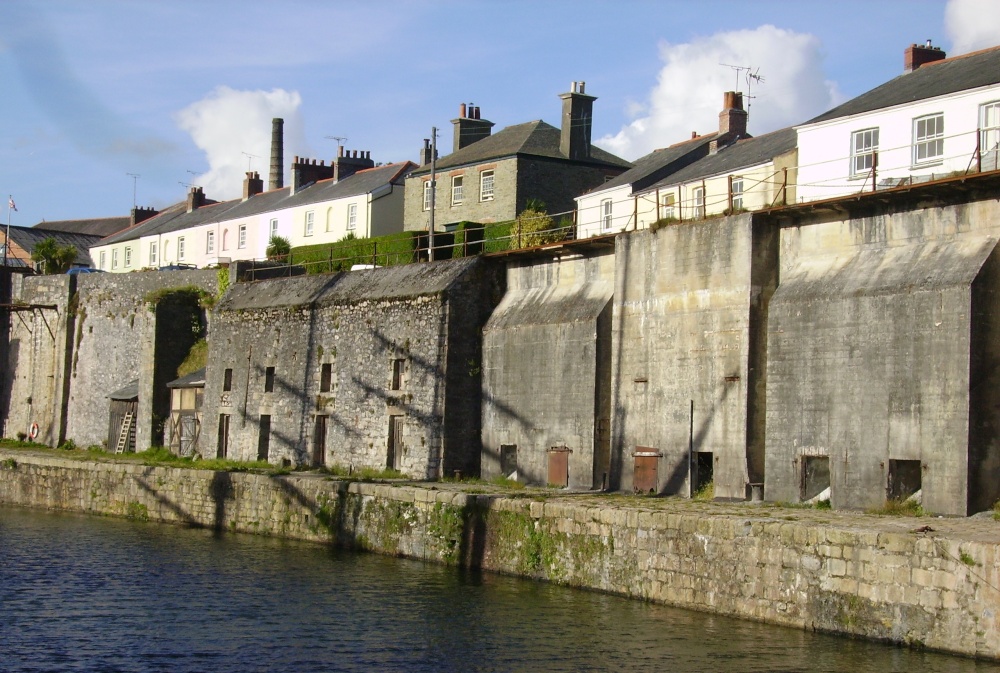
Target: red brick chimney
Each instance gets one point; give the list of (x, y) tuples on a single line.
[(917, 55), (732, 121)]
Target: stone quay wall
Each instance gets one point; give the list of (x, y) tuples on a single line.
[(863, 576)]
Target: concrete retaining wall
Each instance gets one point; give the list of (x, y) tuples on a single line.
[(848, 574)]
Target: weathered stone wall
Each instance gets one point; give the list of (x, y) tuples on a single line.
[(115, 342), (358, 324), (546, 378), (686, 298), (64, 362), (866, 577), (37, 357), (872, 337), (557, 183), (502, 207)]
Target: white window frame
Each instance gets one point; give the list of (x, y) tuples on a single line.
[(864, 146), (606, 209), (274, 228), (114, 258), (128, 256), (989, 127), (928, 139), (152, 253), (180, 248), (427, 195), (210, 242), (241, 239), (698, 199), (667, 206), (310, 222), (104, 261), (487, 182), (352, 216), (737, 192), (457, 190)]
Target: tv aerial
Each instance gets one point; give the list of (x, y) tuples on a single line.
[(750, 75)]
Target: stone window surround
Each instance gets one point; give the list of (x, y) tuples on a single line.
[(487, 182)]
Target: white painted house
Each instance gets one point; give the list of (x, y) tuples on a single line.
[(938, 119), (358, 199)]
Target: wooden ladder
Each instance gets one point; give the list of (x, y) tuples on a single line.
[(123, 435)]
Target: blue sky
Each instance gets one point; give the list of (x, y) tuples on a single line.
[(177, 91)]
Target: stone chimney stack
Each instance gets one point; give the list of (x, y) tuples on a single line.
[(140, 214), (577, 122), (425, 153), (306, 171), (350, 162), (277, 178), (917, 55), (196, 199), (252, 185), (469, 128), (732, 121)]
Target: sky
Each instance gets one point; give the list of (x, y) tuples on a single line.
[(103, 99)]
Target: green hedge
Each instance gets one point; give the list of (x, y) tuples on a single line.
[(496, 237), (391, 250)]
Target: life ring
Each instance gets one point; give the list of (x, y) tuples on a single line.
[(33, 431)]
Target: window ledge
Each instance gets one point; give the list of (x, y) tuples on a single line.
[(927, 164)]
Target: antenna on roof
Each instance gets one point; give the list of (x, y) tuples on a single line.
[(250, 158), (134, 176), (340, 141), (750, 77), (189, 186)]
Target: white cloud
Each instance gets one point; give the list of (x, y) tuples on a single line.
[(972, 25), (690, 86), (228, 122)]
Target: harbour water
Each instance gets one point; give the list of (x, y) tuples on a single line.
[(89, 594)]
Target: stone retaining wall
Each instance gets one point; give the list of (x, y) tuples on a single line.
[(870, 577)]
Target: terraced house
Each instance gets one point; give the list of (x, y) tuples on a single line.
[(323, 203)]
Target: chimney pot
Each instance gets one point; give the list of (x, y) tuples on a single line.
[(577, 123), (461, 110), (694, 134)]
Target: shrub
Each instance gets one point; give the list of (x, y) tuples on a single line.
[(278, 248), (534, 227)]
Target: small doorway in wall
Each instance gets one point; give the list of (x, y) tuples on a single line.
[(508, 461), (644, 470), (904, 479), (223, 445), (704, 473), (815, 477), (319, 441), (394, 452), (264, 437), (559, 466)]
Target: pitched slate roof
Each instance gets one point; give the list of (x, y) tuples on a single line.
[(195, 379), (660, 163), (28, 237), (741, 154), (531, 138), (938, 78), (98, 226), (177, 218), (129, 391)]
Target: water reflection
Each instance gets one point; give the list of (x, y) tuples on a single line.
[(90, 594)]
